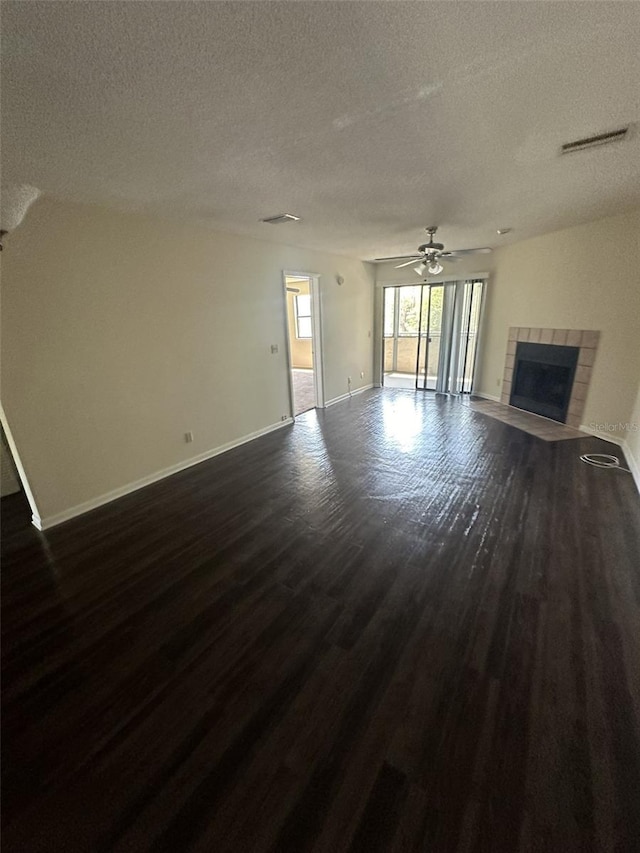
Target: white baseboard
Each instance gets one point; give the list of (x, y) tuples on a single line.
[(346, 396), (634, 465), (94, 503), (484, 396), (605, 436)]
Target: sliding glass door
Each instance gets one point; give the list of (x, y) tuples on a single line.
[(431, 335)]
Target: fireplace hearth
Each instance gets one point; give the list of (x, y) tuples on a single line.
[(543, 377)]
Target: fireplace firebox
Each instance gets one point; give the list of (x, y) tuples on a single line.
[(543, 378)]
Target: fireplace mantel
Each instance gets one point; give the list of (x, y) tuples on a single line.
[(586, 339)]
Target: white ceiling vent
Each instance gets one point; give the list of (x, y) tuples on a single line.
[(593, 141), (280, 218)]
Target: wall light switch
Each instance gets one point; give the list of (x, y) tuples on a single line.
[(188, 437), (274, 349)]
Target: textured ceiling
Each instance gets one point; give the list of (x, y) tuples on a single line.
[(370, 120)]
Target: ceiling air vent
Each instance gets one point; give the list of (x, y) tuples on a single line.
[(280, 218), (592, 141)]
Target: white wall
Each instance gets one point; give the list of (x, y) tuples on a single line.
[(121, 332), (586, 277)]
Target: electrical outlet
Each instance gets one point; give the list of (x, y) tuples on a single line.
[(188, 437), (284, 417), (348, 380), (362, 374)]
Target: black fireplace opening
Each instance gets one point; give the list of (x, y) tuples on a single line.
[(543, 378)]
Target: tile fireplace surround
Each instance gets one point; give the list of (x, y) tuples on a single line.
[(586, 339)]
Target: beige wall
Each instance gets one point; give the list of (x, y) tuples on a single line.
[(121, 332), (586, 277), (301, 350)]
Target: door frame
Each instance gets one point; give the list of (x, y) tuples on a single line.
[(317, 355), (22, 474), (484, 277)]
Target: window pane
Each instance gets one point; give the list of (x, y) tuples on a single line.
[(303, 305), (409, 309), (389, 298), (304, 327)]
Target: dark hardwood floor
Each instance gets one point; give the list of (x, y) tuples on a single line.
[(399, 625)]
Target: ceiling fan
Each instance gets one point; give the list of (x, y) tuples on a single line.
[(430, 254)]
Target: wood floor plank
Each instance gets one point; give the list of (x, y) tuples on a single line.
[(397, 625)]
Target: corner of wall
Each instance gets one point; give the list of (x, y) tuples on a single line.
[(634, 464)]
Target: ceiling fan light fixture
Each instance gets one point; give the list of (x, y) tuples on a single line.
[(435, 268), (420, 268)]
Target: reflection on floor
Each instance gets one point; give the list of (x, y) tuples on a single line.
[(396, 627), (304, 393), (396, 379), (536, 425)]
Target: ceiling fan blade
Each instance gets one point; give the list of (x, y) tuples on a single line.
[(408, 263), (396, 258), (457, 252)]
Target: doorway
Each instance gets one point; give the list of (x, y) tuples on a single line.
[(303, 341), (430, 335)]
